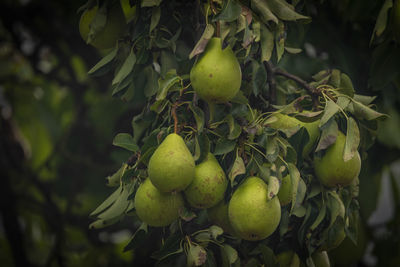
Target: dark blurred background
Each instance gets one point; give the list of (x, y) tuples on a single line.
[(57, 125)]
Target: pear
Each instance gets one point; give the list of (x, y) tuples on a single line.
[(288, 258), (171, 168), (218, 215), (252, 214), (157, 208), (286, 122), (216, 77), (208, 186), (332, 170)]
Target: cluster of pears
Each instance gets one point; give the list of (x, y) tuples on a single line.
[(173, 176), (216, 77)]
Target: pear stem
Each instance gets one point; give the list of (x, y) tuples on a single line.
[(173, 113)]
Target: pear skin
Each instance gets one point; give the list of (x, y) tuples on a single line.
[(218, 215), (252, 215), (171, 168), (216, 77), (208, 186), (157, 208)]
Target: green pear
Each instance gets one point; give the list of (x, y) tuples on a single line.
[(208, 186), (321, 259), (252, 214), (218, 215), (216, 77), (332, 170), (286, 122), (171, 168), (157, 208), (285, 191), (288, 259)]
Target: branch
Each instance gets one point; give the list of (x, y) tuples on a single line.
[(173, 113), (297, 79)]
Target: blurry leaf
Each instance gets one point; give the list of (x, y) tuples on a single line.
[(267, 43), (268, 256), (151, 81), (165, 85), (138, 238), (272, 150), (293, 50), (215, 231), (335, 206), (234, 128), (382, 19), (384, 65), (119, 206), (262, 8), (237, 169), (280, 40), (258, 77), (187, 214), (115, 179), (202, 147), (150, 3), (126, 141), (230, 11), (224, 146), (363, 99), (171, 246), (295, 179), (125, 69), (108, 202), (230, 253), (328, 135), (322, 75), (98, 224), (196, 255), (352, 139), (285, 11), (320, 217), (155, 18), (273, 187), (334, 79), (103, 64), (98, 23), (346, 86), (198, 116), (202, 43)]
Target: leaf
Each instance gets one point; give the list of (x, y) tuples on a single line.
[(258, 78), (346, 86), (237, 168), (119, 206), (294, 178), (198, 116), (155, 18), (115, 179), (273, 187), (284, 11), (234, 128), (230, 253), (202, 43), (320, 217), (267, 43), (364, 112), (196, 256), (125, 69), (352, 140), (280, 40), (293, 50), (382, 19), (98, 23), (171, 246), (186, 214), (126, 141), (215, 231), (164, 85), (151, 81), (138, 238), (98, 69), (334, 78), (328, 135), (268, 256), (262, 8), (98, 224), (224, 146), (108, 202), (272, 150), (202, 147), (230, 11), (150, 3), (331, 108)]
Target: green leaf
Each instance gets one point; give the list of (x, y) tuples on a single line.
[(224, 146), (151, 81), (295, 179), (230, 253), (284, 11), (346, 86), (98, 224), (321, 216), (352, 139), (331, 108), (272, 150), (234, 128), (98, 23), (261, 7), (328, 135), (258, 77), (230, 11), (138, 238), (268, 256), (99, 68), (382, 19), (155, 18), (198, 116), (119, 206), (334, 79), (215, 231), (187, 214), (150, 3), (273, 187), (236, 169), (126, 141), (280, 40), (364, 112), (267, 43), (125, 69), (202, 147), (202, 43), (172, 245), (196, 255), (115, 179), (164, 85), (108, 202), (293, 50)]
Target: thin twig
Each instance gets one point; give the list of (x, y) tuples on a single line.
[(297, 79), (173, 113)]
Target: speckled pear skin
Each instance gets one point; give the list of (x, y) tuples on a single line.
[(171, 168), (216, 77), (252, 215), (157, 208), (332, 170), (208, 186)]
